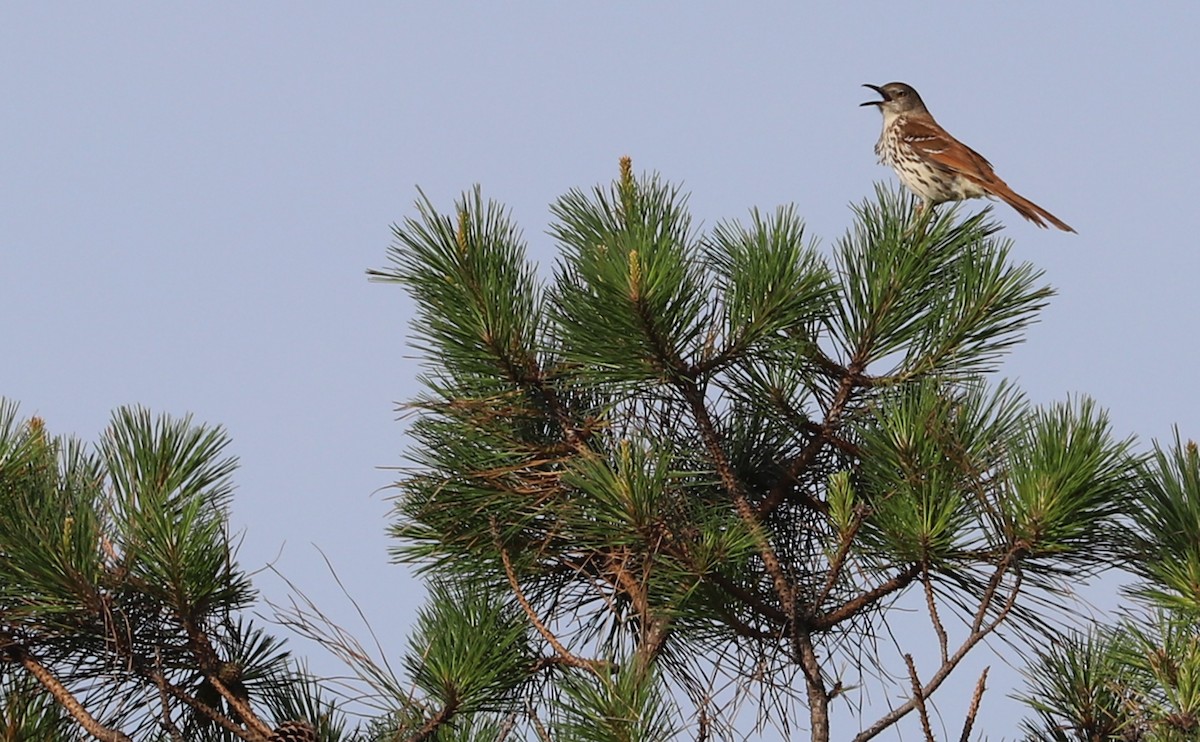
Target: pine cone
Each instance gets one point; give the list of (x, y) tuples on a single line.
[(296, 730)]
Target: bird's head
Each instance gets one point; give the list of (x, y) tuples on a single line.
[(897, 98)]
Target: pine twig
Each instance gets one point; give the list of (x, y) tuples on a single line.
[(980, 687), (934, 618), (919, 697), (567, 657)]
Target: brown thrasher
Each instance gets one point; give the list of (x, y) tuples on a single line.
[(936, 166)]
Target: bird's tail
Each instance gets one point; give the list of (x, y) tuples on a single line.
[(1029, 209)]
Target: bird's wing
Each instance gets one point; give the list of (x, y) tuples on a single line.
[(936, 144)]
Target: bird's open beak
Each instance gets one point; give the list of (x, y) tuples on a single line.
[(879, 90)]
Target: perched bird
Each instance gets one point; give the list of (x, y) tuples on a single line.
[(936, 166)]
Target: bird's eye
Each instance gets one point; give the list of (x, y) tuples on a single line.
[(901, 93)]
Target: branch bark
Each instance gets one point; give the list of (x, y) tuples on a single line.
[(565, 654), (980, 687), (19, 654)]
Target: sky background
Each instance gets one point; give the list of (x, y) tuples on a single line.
[(190, 196)]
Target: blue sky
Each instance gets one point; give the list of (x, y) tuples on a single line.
[(190, 195)]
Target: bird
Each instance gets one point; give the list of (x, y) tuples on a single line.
[(933, 164)]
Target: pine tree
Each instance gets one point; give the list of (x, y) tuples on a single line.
[(120, 595), (692, 472), (692, 485), (1138, 678)]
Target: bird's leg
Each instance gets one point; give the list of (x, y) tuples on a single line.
[(923, 213)]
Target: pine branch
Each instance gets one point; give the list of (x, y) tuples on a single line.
[(13, 651)]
